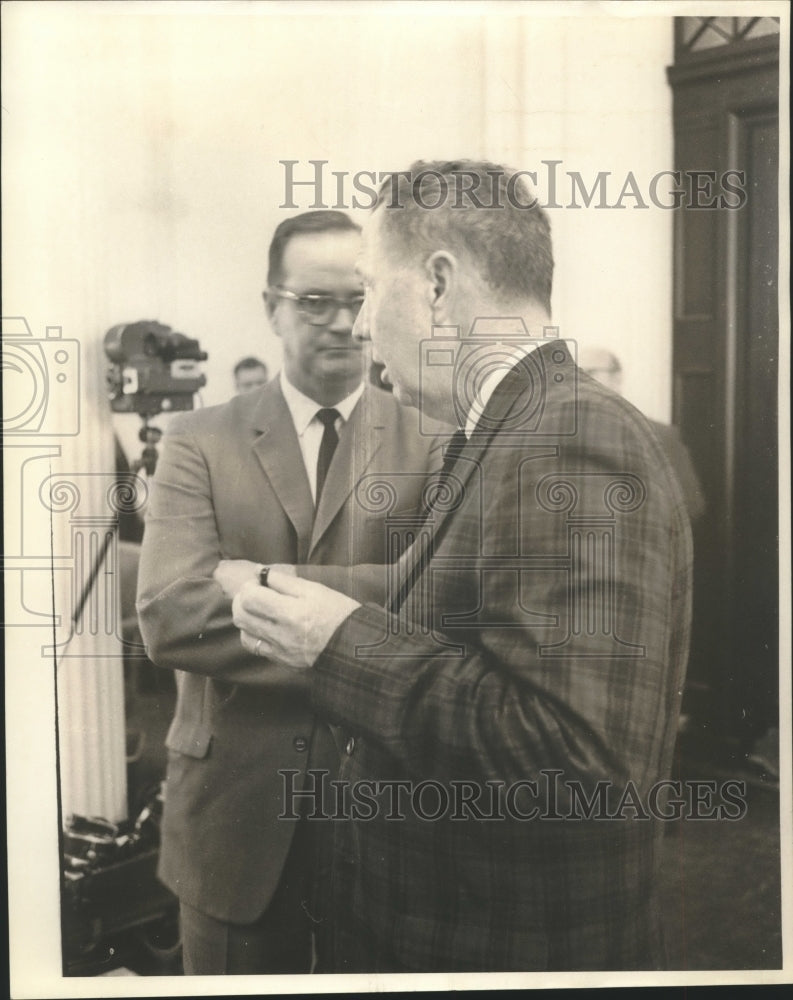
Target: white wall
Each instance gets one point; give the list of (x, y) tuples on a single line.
[(142, 155)]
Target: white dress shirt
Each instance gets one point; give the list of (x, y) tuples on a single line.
[(492, 382), (308, 429)]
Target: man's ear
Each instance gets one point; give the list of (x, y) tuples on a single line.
[(442, 271)]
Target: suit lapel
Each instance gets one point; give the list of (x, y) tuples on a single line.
[(278, 451), (414, 561), (506, 397), (359, 442)]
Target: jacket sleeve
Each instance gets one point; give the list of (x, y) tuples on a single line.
[(184, 615), (366, 582)]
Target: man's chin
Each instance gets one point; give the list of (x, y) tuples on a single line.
[(342, 364), (404, 397)]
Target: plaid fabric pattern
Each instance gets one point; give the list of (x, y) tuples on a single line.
[(545, 628)]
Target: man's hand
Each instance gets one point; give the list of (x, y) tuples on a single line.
[(233, 574), (290, 620)]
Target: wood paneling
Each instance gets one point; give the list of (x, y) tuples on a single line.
[(725, 358)]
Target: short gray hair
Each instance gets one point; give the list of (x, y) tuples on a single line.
[(505, 232)]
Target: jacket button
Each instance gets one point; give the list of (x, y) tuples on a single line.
[(350, 746), (300, 743)]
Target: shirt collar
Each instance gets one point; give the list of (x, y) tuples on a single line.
[(512, 356), (304, 409)]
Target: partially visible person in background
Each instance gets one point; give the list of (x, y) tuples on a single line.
[(605, 366), (250, 373)]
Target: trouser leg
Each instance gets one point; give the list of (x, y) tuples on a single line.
[(279, 942)]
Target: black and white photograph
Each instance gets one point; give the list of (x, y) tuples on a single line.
[(396, 469)]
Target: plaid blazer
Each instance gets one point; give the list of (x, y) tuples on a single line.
[(509, 723)]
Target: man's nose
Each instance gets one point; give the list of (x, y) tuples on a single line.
[(343, 321), (360, 330)]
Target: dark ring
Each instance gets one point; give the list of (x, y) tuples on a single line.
[(264, 572)]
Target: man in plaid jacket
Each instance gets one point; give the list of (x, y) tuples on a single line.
[(510, 720)]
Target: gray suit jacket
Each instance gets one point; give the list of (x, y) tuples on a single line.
[(231, 484)]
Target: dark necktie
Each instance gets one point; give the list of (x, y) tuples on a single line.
[(453, 449), (327, 417), (456, 444)]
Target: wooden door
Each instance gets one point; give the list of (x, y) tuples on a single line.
[(726, 328)]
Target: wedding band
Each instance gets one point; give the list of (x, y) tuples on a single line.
[(256, 648), (264, 572)]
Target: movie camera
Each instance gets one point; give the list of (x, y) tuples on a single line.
[(153, 369)]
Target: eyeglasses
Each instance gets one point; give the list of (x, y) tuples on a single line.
[(320, 309)]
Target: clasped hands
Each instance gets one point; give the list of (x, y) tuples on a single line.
[(291, 620)]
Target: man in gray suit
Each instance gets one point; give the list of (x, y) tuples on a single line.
[(274, 476)]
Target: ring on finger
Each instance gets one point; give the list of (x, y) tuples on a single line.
[(256, 648)]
